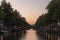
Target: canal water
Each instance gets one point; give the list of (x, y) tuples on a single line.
[(31, 35)]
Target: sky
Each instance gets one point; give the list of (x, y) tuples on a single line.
[(30, 9)]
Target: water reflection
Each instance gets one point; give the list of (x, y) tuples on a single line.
[(31, 35)]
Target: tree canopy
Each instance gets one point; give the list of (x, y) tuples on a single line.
[(11, 17), (52, 16)]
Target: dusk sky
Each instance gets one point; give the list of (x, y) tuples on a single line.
[(30, 9)]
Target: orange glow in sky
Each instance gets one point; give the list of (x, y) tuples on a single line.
[(30, 9)]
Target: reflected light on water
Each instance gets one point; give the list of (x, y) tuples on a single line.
[(58, 38), (31, 35)]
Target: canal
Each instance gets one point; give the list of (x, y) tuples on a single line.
[(30, 35)]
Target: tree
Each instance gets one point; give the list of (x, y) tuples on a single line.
[(54, 10), (42, 20), (10, 16), (52, 16)]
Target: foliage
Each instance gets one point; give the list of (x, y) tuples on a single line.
[(10, 16), (52, 16)]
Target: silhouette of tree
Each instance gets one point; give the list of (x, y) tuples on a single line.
[(10, 16), (52, 16)]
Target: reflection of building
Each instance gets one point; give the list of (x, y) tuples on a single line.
[(1, 24), (59, 23)]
